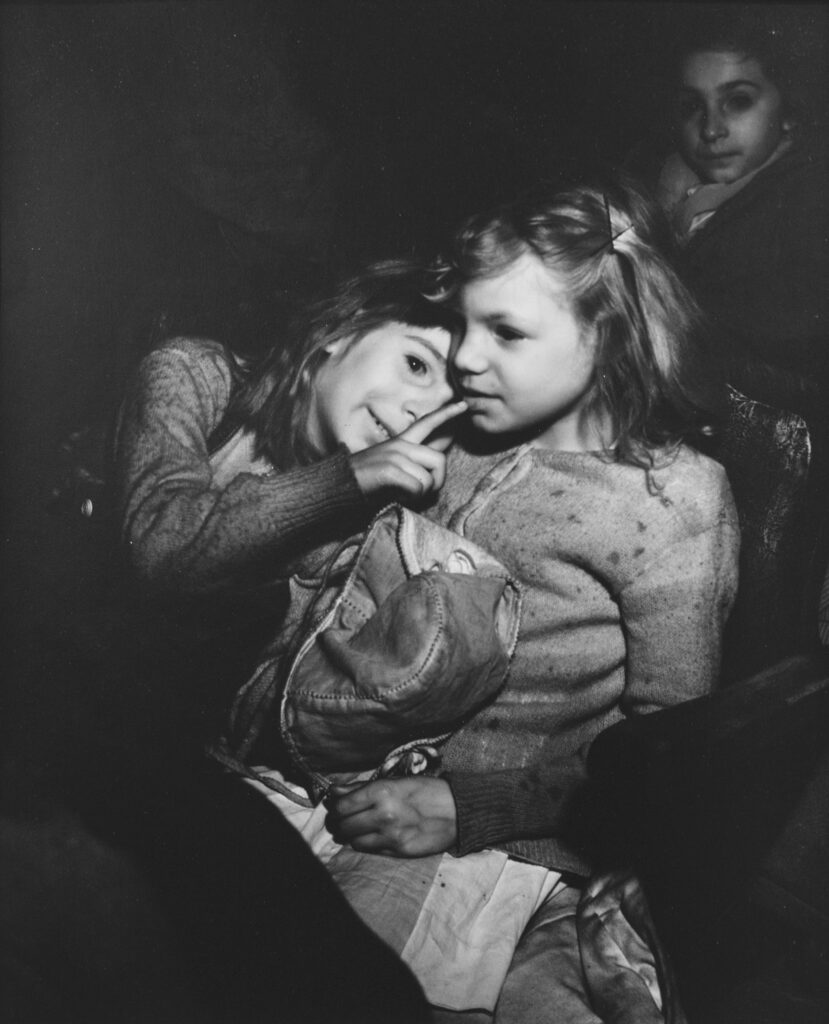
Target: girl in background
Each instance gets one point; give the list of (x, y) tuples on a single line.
[(747, 196)]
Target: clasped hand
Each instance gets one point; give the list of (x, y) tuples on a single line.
[(409, 817)]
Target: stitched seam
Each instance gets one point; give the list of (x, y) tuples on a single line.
[(416, 671)]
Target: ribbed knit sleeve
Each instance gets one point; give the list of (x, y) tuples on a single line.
[(497, 807), (183, 533)]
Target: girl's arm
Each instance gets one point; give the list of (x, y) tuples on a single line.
[(674, 616), (674, 613), (184, 534)]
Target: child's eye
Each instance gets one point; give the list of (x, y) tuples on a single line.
[(739, 101), (417, 365), (506, 333)]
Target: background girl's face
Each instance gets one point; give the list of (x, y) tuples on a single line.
[(525, 363), (729, 115), (371, 390)]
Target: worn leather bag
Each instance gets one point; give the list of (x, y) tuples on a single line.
[(386, 664)]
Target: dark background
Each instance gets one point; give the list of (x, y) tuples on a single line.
[(195, 153)]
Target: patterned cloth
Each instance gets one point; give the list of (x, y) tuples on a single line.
[(487, 934)]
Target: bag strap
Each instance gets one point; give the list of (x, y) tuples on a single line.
[(254, 701), (224, 430), (220, 753)]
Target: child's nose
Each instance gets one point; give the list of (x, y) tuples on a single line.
[(469, 356), (713, 126), (419, 404)]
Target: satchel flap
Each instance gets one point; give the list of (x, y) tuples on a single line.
[(419, 638), (426, 546)]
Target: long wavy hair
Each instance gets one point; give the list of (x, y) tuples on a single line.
[(611, 247), (273, 399)]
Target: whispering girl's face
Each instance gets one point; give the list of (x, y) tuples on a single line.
[(370, 390), (729, 115)]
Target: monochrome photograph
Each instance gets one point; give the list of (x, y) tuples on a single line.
[(415, 506)]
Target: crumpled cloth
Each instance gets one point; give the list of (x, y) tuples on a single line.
[(457, 921), (627, 973)]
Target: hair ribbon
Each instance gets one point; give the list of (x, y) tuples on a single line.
[(611, 238)]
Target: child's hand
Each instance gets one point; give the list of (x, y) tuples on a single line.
[(409, 817), (408, 463)]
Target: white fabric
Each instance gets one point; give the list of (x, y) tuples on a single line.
[(454, 921), (472, 918)]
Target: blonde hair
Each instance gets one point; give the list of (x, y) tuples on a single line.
[(610, 246)]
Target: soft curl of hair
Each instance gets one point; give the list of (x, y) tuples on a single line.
[(274, 398), (609, 246)]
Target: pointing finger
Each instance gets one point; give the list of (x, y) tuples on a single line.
[(422, 428)]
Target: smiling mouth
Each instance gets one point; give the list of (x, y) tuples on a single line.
[(381, 426)]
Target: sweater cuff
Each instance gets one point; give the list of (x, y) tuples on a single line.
[(346, 478), (338, 495), (491, 809)]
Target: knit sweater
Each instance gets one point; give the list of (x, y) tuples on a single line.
[(195, 523), (626, 592)]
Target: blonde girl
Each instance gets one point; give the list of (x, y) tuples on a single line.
[(587, 398)]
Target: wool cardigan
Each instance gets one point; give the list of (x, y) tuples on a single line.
[(626, 589)]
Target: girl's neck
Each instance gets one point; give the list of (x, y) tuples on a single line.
[(583, 430)]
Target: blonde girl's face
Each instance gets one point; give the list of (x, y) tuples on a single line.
[(371, 390), (525, 363), (729, 115)]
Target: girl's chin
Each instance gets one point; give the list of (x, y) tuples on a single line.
[(724, 172), (482, 420)]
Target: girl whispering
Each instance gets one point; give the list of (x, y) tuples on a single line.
[(227, 472)]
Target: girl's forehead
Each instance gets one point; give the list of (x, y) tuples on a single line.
[(433, 336), (533, 270), (436, 338), (710, 67), (400, 326), (526, 274)]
